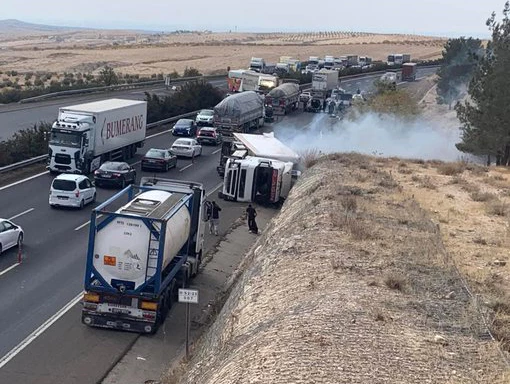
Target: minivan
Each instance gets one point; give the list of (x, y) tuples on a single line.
[(70, 190)]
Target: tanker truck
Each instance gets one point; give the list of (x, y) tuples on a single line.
[(141, 253), (86, 135), (240, 112), (283, 98)]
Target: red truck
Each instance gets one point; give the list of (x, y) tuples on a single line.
[(409, 72)]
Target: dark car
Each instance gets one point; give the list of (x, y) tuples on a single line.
[(209, 135), (115, 173), (185, 127), (160, 159)]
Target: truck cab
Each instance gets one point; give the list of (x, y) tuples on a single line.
[(257, 64), (256, 179), (69, 143)]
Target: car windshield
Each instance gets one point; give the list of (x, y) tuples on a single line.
[(64, 185), (155, 153), (186, 143), (67, 139), (207, 112), (183, 124), (111, 167)]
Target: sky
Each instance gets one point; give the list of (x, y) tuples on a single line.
[(450, 18)]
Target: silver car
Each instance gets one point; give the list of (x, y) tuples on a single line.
[(205, 117), (11, 235)]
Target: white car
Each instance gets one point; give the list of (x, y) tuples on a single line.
[(186, 147), (205, 117), (70, 190), (11, 235)]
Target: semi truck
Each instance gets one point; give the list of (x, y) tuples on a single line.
[(86, 135), (257, 179), (323, 82), (409, 71), (283, 98), (241, 145), (239, 112), (140, 254)]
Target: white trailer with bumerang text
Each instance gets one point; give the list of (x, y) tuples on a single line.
[(86, 135)]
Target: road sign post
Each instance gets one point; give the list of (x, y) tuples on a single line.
[(188, 296)]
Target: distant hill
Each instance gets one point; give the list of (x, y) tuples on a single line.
[(13, 26)]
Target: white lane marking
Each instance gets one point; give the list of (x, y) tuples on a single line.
[(213, 190), (39, 331), (8, 269), (22, 181), (21, 214), (186, 167), (215, 152), (85, 224)]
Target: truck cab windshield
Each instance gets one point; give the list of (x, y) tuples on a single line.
[(67, 139)]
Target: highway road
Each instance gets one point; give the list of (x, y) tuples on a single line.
[(35, 292), (53, 266), (15, 117)]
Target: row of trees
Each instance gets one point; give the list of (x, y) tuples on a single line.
[(190, 97), (482, 72), (106, 77), (25, 144)]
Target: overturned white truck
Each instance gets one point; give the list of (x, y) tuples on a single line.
[(262, 172)]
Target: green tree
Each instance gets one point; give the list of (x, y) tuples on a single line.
[(485, 117), (460, 57), (108, 77), (191, 72)]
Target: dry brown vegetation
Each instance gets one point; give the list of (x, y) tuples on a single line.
[(132, 53), (370, 275)]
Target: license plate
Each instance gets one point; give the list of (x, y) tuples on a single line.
[(107, 176), (152, 161), (121, 311), (63, 197)]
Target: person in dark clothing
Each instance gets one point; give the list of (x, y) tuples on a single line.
[(215, 218), (252, 213)]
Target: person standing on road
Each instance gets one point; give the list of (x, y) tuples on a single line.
[(215, 218), (252, 225)]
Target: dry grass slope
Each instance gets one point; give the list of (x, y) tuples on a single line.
[(351, 283)]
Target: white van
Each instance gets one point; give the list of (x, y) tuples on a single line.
[(70, 190)]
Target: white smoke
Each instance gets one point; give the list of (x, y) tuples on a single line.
[(372, 134)]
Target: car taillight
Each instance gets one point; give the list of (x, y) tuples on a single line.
[(77, 193), (97, 173)]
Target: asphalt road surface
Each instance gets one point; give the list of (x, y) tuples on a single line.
[(51, 276), (15, 117)]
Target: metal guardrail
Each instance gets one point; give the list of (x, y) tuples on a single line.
[(41, 158), (24, 163), (118, 87)]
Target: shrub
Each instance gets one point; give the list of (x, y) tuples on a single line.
[(451, 169)]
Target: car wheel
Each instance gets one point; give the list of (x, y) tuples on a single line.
[(0, 248), (94, 198), (20, 240), (166, 167), (200, 152), (123, 183), (134, 178), (82, 204)]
